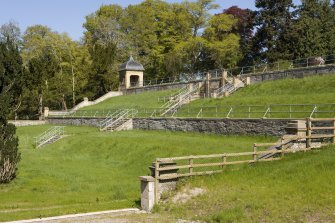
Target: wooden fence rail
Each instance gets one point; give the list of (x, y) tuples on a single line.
[(276, 152)]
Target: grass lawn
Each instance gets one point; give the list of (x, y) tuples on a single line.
[(145, 100), (91, 171), (299, 188), (310, 90)]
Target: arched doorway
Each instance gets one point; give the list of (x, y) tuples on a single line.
[(134, 80)]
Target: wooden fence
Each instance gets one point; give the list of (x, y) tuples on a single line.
[(190, 164)]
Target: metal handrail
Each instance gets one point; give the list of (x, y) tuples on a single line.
[(117, 117), (177, 103), (48, 135)]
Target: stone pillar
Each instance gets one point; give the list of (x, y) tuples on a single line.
[(167, 184), (248, 81), (46, 112), (225, 74), (147, 192)]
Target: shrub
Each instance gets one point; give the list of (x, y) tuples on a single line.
[(9, 155)]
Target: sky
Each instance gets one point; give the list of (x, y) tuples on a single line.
[(69, 15)]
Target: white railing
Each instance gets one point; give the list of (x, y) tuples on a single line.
[(173, 105), (229, 88), (117, 118), (49, 135)]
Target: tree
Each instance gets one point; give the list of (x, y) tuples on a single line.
[(199, 13), (190, 55), (313, 32), (55, 68), (273, 21), (244, 29), (224, 46), (105, 42), (10, 71), (10, 31)]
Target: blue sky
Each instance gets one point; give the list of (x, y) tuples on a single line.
[(69, 15)]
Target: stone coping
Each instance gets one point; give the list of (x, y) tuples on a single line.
[(186, 118)]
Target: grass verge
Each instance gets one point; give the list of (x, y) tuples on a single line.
[(299, 188), (92, 171)]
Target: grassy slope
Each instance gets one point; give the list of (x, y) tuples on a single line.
[(310, 90), (90, 170), (147, 99), (300, 188)]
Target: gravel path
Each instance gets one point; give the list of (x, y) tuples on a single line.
[(115, 216)]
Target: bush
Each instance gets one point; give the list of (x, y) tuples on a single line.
[(9, 155)]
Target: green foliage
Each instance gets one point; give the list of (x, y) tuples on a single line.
[(273, 21), (55, 69), (224, 46), (10, 71), (9, 154), (313, 32)]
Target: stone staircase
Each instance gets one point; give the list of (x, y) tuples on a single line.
[(50, 136), (184, 96), (118, 121), (295, 140)]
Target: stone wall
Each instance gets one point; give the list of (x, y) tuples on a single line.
[(94, 122), (254, 78), (274, 127), (293, 73), (27, 122), (160, 87)]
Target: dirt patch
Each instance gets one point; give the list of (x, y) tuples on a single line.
[(187, 194)]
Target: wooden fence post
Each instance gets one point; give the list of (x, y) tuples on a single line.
[(224, 160), (255, 153), (308, 132), (334, 131), (282, 147), (156, 181), (190, 162)]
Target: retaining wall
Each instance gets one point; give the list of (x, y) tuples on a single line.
[(27, 122), (274, 127), (254, 78)]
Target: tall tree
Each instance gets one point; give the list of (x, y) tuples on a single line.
[(224, 45), (199, 13), (273, 20), (245, 29), (10, 71), (313, 32), (56, 69), (105, 42), (10, 31)]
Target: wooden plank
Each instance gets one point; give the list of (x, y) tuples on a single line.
[(255, 154), (322, 119), (156, 189), (266, 144), (308, 132), (173, 176), (323, 128), (318, 136), (269, 159), (191, 165)]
